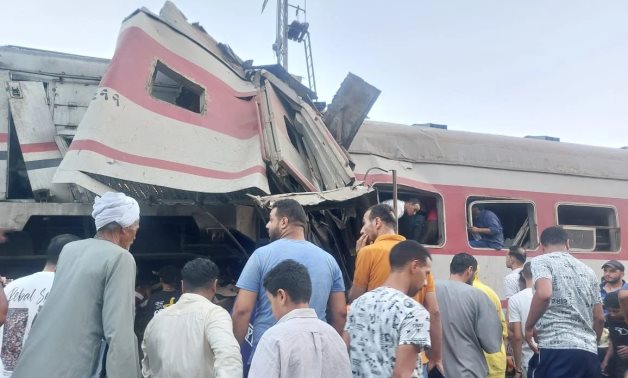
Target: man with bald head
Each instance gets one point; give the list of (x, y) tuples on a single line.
[(89, 312)]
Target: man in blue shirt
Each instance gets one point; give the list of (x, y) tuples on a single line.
[(488, 227), (286, 229)]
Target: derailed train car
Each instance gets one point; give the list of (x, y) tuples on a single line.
[(179, 122)]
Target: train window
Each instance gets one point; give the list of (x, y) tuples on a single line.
[(517, 218), (427, 226), (590, 227), (170, 86)]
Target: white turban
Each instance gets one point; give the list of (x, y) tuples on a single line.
[(115, 207)]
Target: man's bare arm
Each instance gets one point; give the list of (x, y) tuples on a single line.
[(434, 354), (623, 302), (598, 320), (405, 360), (347, 339), (337, 311), (242, 310), (4, 306), (516, 342), (355, 292), (540, 303)]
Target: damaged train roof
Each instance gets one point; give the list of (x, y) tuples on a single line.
[(174, 110), (173, 116)]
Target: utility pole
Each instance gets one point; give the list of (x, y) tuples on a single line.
[(295, 31)]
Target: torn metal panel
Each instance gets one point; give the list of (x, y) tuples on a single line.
[(36, 134), (284, 143), (328, 197), (4, 134), (332, 160), (349, 108), (298, 141)]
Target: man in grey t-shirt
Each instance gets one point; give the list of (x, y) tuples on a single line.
[(469, 320), (566, 311)]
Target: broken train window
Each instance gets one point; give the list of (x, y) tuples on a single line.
[(427, 225), (590, 227), (172, 87), (518, 219)]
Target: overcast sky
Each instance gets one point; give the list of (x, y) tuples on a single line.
[(518, 68)]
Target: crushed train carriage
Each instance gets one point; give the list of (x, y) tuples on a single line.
[(178, 121)]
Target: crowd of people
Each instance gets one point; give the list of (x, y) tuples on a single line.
[(83, 314)]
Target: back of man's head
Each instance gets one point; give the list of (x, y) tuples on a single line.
[(554, 235), (169, 274), (405, 252), (385, 213), (517, 252), (461, 262), (56, 246), (292, 210), (293, 278), (199, 274)]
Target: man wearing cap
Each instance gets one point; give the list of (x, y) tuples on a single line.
[(613, 278), (88, 314)]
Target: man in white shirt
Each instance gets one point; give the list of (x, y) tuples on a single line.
[(193, 337), (515, 259), (518, 308), (26, 296), (300, 345)]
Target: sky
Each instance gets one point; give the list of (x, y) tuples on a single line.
[(533, 67)]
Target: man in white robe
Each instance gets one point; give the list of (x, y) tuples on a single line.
[(89, 312)]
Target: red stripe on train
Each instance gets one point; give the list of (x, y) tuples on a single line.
[(4, 138), (101, 149), (38, 147)]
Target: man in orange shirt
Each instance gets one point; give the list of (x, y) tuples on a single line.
[(372, 268)]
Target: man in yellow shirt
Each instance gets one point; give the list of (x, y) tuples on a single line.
[(496, 361), (372, 267)]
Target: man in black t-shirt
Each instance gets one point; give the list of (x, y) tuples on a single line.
[(615, 363), (169, 294)]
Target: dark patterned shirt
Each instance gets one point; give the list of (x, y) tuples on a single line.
[(378, 322)]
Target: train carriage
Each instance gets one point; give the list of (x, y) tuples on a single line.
[(530, 184)]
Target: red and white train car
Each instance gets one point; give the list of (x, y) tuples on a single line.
[(530, 184)]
